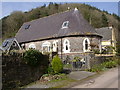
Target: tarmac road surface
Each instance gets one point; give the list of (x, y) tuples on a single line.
[(108, 79)]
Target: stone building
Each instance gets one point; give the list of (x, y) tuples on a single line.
[(66, 33), (109, 37)]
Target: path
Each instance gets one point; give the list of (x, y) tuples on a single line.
[(107, 80)]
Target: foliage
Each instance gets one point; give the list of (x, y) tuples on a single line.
[(96, 51), (57, 64), (96, 68), (116, 16), (118, 49), (68, 66), (108, 64), (76, 59), (50, 70), (11, 24), (104, 20), (34, 57)]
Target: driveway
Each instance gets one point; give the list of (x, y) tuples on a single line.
[(108, 79)]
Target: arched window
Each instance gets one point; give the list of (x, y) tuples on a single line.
[(32, 46), (66, 46), (55, 46), (86, 45), (46, 47)]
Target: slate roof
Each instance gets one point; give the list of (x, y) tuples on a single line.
[(106, 32), (51, 26), (7, 44)]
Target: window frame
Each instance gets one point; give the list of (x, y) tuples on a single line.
[(32, 45), (54, 46), (48, 45), (84, 45), (66, 45), (27, 26), (65, 26)]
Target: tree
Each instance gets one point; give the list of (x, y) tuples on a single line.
[(50, 5), (13, 23), (118, 49), (104, 20), (57, 64), (33, 14)]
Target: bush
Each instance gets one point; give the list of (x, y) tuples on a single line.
[(97, 68), (96, 51), (50, 70), (33, 57), (104, 66), (110, 64), (57, 64), (118, 49)]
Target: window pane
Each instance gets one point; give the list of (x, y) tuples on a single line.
[(65, 24), (66, 47), (27, 26), (86, 44)]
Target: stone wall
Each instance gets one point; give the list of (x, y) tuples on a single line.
[(16, 73), (76, 43), (99, 59)]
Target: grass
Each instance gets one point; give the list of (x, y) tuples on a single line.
[(64, 82), (56, 83)]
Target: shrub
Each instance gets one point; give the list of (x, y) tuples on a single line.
[(96, 51), (57, 64), (97, 68), (50, 70), (110, 64), (104, 66), (33, 57), (118, 49)]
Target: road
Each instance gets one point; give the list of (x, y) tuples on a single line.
[(108, 79)]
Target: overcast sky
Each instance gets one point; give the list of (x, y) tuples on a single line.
[(8, 7)]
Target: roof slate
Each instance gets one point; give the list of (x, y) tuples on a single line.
[(8, 42), (106, 32), (51, 26)]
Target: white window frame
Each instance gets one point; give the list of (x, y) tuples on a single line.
[(64, 46), (55, 46), (48, 45), (32, 46), (84, 46), (66, 25)]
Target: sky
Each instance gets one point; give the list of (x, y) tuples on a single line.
[(9, 7)]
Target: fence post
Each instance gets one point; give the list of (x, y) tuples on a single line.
[(88, 57)]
